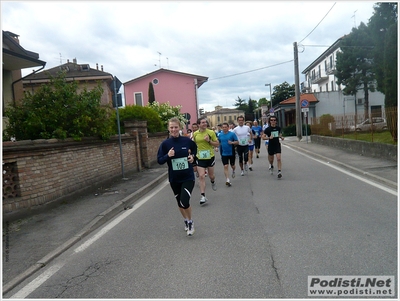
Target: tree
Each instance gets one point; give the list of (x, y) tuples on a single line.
[(354, 64), (282, 92), (152, 97), (383, 28), (263, 101), (251, 106), (57, 110), (240, 104)]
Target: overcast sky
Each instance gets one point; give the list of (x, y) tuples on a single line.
[(239, 45)]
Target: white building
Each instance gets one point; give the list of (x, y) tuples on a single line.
[(320, 79)]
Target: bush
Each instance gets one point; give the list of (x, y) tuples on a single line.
[(165, 111), (132, 112), (56, 110), (290, 130)]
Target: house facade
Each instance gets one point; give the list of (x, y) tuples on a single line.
[(320, 79), (15, 58), (86, 77), (174, 87), (221, 115)]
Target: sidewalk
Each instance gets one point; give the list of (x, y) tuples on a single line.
[(35, 240)]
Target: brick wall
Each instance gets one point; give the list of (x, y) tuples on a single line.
[(37, 172)]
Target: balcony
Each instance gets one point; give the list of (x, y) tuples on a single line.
[(318, 78), (330, 69)]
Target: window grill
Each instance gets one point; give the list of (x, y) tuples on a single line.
[(10, 181)]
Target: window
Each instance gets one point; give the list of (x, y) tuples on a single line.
[(224, 118), (326, 87), (139, 99), (155, 81)]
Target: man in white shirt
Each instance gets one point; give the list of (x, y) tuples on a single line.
[(244, 135)]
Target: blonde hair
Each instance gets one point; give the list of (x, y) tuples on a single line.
[(175, 120)]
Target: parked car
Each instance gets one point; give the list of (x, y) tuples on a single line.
[(378, 124)]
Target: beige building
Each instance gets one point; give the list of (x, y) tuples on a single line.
[(221, 115)]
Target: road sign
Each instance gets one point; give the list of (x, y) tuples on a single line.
[(186, 116), (305, 109), (304, 103), (271, 110)]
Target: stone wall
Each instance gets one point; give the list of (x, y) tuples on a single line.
[(381, 150), (38, 172)]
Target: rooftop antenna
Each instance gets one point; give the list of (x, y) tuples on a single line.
[(167, 64), (159, 59), (354, 16)]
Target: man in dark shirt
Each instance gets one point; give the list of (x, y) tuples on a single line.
[(273, 133)]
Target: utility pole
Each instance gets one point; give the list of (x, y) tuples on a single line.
[(297, 92)]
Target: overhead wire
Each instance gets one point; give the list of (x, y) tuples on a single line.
[(318, 23)]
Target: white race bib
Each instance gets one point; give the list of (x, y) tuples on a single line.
[(204, 154)]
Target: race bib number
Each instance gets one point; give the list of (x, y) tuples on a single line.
[(244, 141), (275, 134), (180, 163), (204, 154)]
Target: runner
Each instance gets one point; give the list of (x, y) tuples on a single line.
[(195, 127), (251, 145), (257, 130), (244, 136), (273, 133), (177, 152), (227, 140), (206, 140)]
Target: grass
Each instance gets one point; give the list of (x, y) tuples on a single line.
[(376, 137)]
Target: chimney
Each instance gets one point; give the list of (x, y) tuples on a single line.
[(67, 60), (75, 61), (101, 67), (97, 66)]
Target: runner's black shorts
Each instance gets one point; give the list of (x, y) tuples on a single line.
[(272, 150), (206, 163), (228, 160)]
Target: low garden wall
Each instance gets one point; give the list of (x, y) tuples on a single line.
[(381, 150), (38, 172)]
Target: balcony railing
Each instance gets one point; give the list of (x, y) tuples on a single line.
[(318, 78)]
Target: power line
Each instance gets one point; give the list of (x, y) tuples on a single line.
[(250, 70), (318, 23)]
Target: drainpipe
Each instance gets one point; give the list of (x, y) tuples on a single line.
[(14, 82)]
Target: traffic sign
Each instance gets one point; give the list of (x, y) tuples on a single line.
[(304, 109), (304, 103), (271, 110)]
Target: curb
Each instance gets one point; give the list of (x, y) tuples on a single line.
[(381, 180), (95, 223)]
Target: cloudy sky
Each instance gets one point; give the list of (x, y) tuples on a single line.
[(239, 45)]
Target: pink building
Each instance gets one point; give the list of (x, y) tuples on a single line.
[(174, 87)]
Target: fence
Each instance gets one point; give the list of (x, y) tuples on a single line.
[(350, 125)]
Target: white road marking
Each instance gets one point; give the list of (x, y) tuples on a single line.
[(384, 188), (35, 283), (39, 280)]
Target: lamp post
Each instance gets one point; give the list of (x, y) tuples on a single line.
[(270, 93)]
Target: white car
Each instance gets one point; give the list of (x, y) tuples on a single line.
[(378, 124)]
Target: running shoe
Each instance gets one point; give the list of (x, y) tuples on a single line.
[(233, 174), (271, 170), (190, 229), (228, 183), (214, 186), (186, 225), (203, 200), (279, 175), (258, 156), (246, 167), (251, 168), (242, 173)]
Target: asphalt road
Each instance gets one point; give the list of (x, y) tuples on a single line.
[(260, 238)]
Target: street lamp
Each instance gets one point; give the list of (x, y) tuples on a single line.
[(270, 93)]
